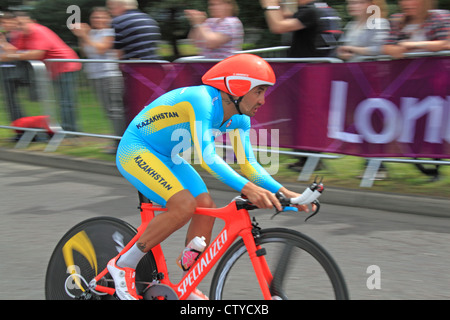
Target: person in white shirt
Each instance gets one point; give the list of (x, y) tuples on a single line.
[(96, 41), (366, 33), (220, 35)]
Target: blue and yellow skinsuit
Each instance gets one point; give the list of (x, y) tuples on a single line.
[(147, 152)]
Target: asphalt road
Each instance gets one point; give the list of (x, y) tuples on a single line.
[(39, 204)]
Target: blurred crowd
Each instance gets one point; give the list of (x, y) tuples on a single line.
[(418, 26), (119, 30)]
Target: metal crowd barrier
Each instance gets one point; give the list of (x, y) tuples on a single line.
[(49, 107), (373, 164), (271, 52), (408, 55), (46, 99)]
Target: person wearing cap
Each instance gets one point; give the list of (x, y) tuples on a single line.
[(233, 91)]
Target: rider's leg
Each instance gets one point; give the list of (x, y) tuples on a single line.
[(201, 225), (173, 184), (180, 208)]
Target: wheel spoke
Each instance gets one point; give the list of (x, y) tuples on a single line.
[(276, 287)]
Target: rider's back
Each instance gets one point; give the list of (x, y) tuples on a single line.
[(179, 110)]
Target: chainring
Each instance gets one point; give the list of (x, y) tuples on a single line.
[(158, 292)]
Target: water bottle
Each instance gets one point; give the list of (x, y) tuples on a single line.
[(191, 253)]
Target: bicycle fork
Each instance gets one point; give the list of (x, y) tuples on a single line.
[(258, 260)]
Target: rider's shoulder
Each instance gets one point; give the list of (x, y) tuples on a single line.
[(197, 92), (238, 121)]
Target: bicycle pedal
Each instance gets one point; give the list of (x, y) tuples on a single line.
[(88, 296)]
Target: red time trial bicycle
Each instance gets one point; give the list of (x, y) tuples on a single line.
[(251, 262)]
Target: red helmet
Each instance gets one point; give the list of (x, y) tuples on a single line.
[(238, 74)]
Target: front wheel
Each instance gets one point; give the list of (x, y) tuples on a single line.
[(301, 269), (84, 251)]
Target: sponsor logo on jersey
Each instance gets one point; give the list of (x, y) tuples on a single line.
[(151, 172), (157, 117)]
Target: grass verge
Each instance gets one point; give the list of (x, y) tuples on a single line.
[(344, 172)]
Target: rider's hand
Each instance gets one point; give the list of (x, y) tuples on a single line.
[(292, 194), (261, 197)]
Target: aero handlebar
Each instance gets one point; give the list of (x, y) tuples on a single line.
[(310, 195)]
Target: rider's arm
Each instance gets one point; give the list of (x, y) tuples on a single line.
[(243, 150), (203, 140), (217, 167)]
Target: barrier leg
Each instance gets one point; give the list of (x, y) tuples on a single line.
[(369, 174), (54, 142), (25, 139), (308, 168)]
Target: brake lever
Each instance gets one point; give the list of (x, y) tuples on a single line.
[(285, 204), (315, 188), (288, 208), (317, 203), (285, 208)]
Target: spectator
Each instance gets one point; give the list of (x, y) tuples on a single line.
[(366, 33), (417, 28), (446, 15), (136, 38), (11, 72), (127, 21), (96, 42), (305, 25), (37, 42), (220, 35), (8, 24)]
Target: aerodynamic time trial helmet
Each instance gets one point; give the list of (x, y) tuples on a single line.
[(238, 74)]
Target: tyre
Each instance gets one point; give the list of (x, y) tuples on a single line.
[(86, 249), (300, 267)]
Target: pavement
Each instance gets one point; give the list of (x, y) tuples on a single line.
[(437, 207)]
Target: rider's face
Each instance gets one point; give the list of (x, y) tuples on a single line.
[(253, 100)]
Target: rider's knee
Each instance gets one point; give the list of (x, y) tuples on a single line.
[(205, 201), (184, 211)]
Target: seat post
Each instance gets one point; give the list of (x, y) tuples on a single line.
[(143, 199)]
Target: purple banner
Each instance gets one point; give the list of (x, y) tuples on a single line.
[(376, 109)]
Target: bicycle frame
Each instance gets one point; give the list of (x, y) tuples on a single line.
[(237, 224)]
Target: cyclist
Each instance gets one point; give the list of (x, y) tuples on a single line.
[(233, 90)]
